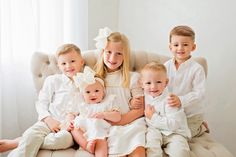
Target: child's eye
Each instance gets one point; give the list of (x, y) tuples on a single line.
[(108, 52), (96, 90), (63, 63), (176, 45), (148, 83), (87, 92), (72, 61), (119, 53), (159, 82), (185, 44)]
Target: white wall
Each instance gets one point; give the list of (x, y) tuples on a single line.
[(147, 24), (101, 13), (0, 107)]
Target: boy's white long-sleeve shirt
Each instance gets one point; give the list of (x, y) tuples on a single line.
[(57, 97), (166, 118), (188, 83)]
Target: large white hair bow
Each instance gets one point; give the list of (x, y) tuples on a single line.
[(82, 80), (101, 39)]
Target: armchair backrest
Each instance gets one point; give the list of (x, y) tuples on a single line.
[(43, 65)]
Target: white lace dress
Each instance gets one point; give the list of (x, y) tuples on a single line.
[(95, 128), (125, 139)]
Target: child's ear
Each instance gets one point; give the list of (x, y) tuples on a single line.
[(167, 81), (194, 47), (82, 62), (170, 46)]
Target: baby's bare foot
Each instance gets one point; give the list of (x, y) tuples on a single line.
[(91, 146), (6, 145)]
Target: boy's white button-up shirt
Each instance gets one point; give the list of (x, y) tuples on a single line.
[(166, 118), (188, 82), (57, 97)]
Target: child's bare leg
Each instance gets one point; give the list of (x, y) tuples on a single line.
[(6, 144), (138, 152), (82, 141), (91, 146), (101, 149)]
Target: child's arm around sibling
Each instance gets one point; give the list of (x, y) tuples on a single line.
[(127, 137)]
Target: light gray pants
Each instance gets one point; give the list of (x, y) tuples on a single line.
[(40, 136), (175, 145), (195, 124)]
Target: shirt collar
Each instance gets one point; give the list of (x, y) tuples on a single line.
[(184, 64), (66, 79)]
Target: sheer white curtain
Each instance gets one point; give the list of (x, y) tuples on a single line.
[(28, 26)]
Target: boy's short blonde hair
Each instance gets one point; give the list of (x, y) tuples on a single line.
[(182, 31), (66, 48), (157, 67)]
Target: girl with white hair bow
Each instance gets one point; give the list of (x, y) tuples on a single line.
[(95, 113)]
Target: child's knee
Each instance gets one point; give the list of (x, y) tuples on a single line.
[(60, 140)]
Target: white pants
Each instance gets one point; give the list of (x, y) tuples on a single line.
[(175, 145), (40, 136)]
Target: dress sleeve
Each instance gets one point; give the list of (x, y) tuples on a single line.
[(45, 98)]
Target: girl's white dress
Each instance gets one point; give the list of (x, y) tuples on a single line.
[(125, 139), (95, 128)]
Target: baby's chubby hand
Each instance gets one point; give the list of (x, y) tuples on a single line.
[(99, 115), (149, 111), (71, 126), (173, 100)]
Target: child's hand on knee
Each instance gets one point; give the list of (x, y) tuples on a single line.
[(53, 124)]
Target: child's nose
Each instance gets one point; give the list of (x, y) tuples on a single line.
[(93, 94), (112, 57), (180, 47), (153, 86), (68, 65)]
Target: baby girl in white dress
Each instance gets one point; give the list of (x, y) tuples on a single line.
[(95, 112)]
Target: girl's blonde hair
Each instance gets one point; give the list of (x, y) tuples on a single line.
[(66, 48), (182, 31), (100, 67)]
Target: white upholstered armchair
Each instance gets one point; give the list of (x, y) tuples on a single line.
[(44, 65)]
